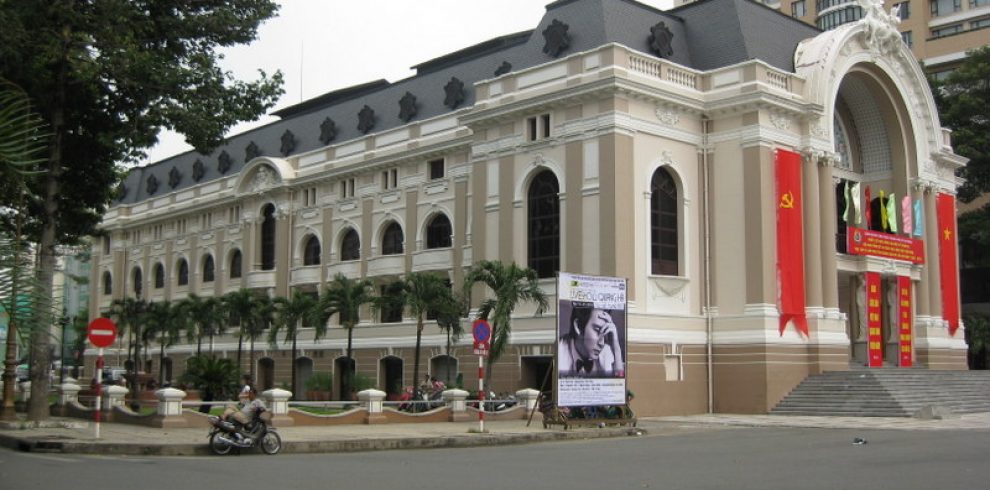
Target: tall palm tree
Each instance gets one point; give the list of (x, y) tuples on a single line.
[(239, 305), (165, 322), (301, 308), (449, 315), (129, 315), (345, 297), (422, 293), (213, 319), (509, 285), (189, 311), (261, 318)]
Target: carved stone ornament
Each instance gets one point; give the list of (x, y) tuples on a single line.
[(667, 116), (328, 131), (366, 119), (264, 178), (151, 185), (504, 68), (780, 121), (661, 40), (407, 107), (556, 38), (224, 162), (880, 27), (199, 170), (174, 178), (251, 152), (454, 93), (288, 143)]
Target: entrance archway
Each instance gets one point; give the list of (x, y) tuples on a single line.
[(390, 375), (304, 371), (534, 371), (343, 377), (444, 368), (266, 374)]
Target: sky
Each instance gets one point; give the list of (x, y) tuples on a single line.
[(325, 45)]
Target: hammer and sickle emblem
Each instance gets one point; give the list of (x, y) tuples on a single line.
[(787, 200)]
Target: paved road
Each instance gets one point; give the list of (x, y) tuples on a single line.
[(696, 458)]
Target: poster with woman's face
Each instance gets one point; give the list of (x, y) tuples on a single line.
[(591, 340)]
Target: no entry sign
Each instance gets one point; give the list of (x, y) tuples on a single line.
[(102, 332)]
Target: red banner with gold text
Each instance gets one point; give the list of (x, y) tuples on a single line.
[(873, 312), (904, 320), (790, 240), (945, 208)]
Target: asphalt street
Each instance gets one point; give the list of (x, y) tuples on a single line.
[(701, 458)]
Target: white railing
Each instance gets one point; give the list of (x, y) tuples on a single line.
[(779, 80)]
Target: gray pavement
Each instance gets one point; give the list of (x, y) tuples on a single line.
[(76, 436)]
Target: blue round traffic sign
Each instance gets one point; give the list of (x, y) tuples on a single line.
[(481, 330)]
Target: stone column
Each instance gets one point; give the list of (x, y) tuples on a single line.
[(829, 267), (68, 394), (923, 305), (371, 400), (813, 246), (457, 400), (527, 397), (277, 401), (170, 407), (931, 254)]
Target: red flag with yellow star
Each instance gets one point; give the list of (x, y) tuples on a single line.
[(948, 260), (790, 241)]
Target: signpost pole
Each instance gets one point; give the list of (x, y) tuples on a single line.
[(481, 394), (99, 390)]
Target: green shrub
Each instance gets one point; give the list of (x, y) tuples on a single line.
[(319, 382)]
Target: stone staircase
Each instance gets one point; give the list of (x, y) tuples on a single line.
[(887, 392)]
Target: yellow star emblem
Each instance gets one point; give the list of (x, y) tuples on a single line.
[(947, 234)]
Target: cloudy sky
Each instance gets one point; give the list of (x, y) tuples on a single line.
[(322, 45)]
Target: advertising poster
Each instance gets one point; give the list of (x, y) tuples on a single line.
[(873, 320), (591, 340)]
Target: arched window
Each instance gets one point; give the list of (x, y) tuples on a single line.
[(311, 256), (350, 246), (183, 272), (235, 264), (392, 239), (438, 232), (159, 276), (208, 269), (136, 277), (663, 224), (544, 224), (107, 283), (268, 238)]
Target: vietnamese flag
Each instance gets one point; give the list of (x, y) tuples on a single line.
[(790, 240), (948, 261)]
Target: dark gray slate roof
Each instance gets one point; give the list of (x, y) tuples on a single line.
[(706, 35)]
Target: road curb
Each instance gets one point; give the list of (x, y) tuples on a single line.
[(39, 445)]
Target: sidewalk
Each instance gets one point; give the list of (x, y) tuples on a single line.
[(76, 436)]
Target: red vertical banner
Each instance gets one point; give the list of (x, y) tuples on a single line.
[(945, 208), (873, 312), (790, 241), (904, 321)]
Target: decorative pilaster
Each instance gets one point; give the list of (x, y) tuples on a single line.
[(828, 216), (812, 229)]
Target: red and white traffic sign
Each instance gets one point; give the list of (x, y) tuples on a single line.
[(102, 332), (482, 337)]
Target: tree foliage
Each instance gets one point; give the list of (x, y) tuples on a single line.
[(106, 76), (963, 100)]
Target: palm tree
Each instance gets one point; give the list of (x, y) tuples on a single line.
[(449, 315), (129, 315), (345, 297), (213, 319), (189, 309), (509, 286), (215, 378), (239, 305), (423, 293), (291, 312), (165, 322)]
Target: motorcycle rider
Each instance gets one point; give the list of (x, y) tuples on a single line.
[(249, 406)]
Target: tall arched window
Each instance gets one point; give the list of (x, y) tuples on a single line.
[(183, 272), (392, 239), (107, 283), (663, 224), (311, 256), (350, 246), (159, 276), (268, 238), (208, 269), (544, 224), (438, 232), (136, 277), (235, 264)]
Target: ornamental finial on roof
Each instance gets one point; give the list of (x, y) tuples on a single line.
[(880, 27)]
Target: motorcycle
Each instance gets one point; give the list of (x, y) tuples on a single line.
[(259, 432)]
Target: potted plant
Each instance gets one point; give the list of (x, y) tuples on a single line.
[(319, 387)]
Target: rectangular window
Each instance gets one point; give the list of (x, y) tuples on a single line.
[(106, 245), (798, 9), (947, 31), (309, 197), (436, 169), (906, 37), (980, 23), (538, 127), (904, 10), (956, 5), (347, 189), (390, 179), (978, 3)]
